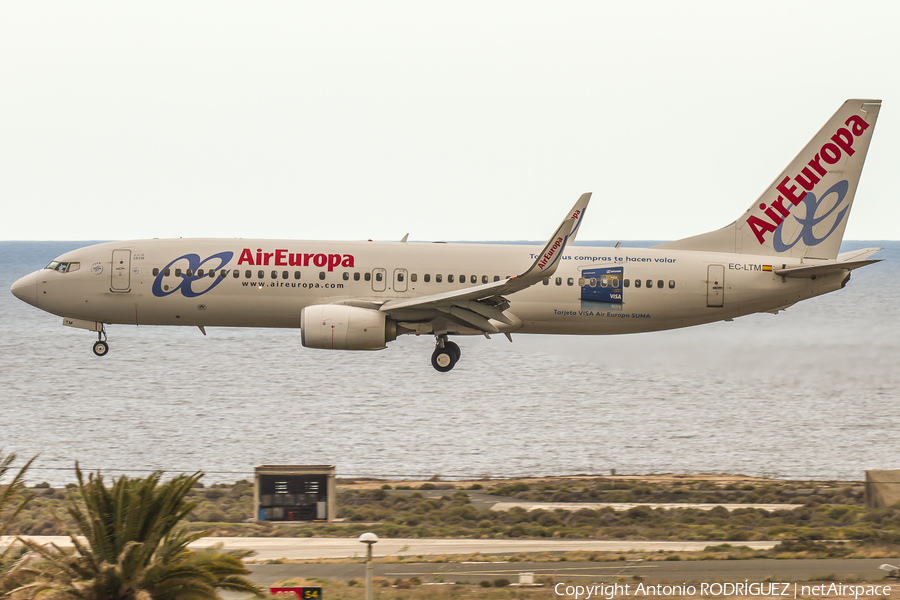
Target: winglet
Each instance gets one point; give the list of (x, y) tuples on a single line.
[(548, 259)]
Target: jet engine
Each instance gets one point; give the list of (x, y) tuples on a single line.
[(342, 327)]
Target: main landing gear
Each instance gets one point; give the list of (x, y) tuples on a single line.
[(101, 347), (445, 355)]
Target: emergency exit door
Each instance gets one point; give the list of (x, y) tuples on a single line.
[(379, 280), (121, 271), (400, 276), (715, 286)]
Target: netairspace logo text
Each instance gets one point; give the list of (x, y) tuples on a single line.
[(747, 589)]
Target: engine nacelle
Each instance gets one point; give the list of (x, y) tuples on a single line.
[(341, 327)]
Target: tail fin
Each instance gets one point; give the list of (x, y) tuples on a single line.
[(803, 212)]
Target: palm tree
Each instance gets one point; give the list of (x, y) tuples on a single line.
[(130, 549), (10, 555)]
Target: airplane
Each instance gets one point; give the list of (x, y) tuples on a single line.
[(361, 295)]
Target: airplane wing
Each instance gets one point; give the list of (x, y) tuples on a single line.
[(477, 305)]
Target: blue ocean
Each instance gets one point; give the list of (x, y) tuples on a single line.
[(810, 393)]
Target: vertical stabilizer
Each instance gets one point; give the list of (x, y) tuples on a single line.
[(804, 212)]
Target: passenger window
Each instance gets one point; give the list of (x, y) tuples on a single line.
[(427, 277), (659, 284), (368, 277), (449, 278), (296, 274), (438, 278), (559, 281), (462, 278), (399, 276), (484, 279), (671, 284), (189, 272), (212, 273), (581, 282), (262, 274), (649, 283), (627, 282), (285, 274), (356, 277), (474, 279), (570, 281), (615, 282), (637, 283), (496, 278), (155, 272), (346, 276), (248, 273), (177, 272), (274, 274), (236, 274), (546, 281), (413, 277), (378, 276), (199, 273), (321, 274), (593, 282)]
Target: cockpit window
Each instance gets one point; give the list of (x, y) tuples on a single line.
[(63, 267)]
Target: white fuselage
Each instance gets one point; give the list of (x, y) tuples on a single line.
[(147, 282)]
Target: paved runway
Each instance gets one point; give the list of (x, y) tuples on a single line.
[(623, 506), (661, 571), (312, 548), (669, 571)]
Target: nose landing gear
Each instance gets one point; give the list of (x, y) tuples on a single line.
[(101, 347), (446, 354)]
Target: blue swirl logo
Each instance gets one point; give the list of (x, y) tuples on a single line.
[(186, 285), (808, 222)]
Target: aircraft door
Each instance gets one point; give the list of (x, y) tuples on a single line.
[(400, 283), (715, 286), (121, 271), (379, 280)]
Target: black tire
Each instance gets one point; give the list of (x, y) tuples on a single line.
[(442, 360), (101, 348), (454, 349)]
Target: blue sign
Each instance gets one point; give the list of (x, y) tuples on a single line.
[(603, 284)]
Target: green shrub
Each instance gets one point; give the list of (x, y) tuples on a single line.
[(500, 582)]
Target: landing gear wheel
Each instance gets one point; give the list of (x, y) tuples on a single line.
[(454, 349), (101, 348), (442, 359)]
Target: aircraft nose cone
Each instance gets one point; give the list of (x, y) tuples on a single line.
[(25, 289)]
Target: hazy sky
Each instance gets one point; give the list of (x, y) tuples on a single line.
[(450, 121)]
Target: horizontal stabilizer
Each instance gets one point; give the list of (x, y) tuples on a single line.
[(823, 269), (857, 254)]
